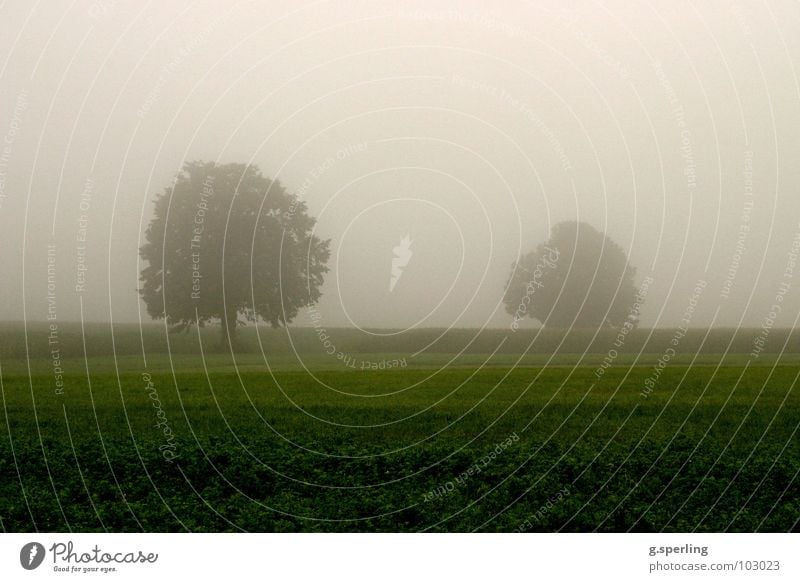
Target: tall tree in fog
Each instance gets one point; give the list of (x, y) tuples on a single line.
[(579, 277), (226, 243)]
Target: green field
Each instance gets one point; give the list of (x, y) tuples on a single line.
[(456, 440)]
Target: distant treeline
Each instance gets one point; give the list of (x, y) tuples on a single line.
[(127, 339)]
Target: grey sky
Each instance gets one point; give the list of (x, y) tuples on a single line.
[(470, 130)]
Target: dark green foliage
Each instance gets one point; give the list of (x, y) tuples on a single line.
[(578, 278), (226, 242), (288, 454), (508, 495)]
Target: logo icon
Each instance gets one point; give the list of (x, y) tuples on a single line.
[(31, 555), (402, 255)]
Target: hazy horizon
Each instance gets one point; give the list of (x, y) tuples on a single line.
[(469, 131)]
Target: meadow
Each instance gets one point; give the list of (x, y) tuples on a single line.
[(143, 431)]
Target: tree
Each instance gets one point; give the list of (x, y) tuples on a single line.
[(226, 242), (577, 278)]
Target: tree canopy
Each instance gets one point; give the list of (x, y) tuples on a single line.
[(579, 277), (226, 243)]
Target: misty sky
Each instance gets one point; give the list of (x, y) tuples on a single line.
[(672, 126)]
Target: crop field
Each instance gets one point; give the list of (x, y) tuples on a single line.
[(132, 439)]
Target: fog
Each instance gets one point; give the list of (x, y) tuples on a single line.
[(470, 131)]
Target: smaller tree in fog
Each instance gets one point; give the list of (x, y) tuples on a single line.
[(579, 277), (228, 244)]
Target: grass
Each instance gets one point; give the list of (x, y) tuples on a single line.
[(449, 443)]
